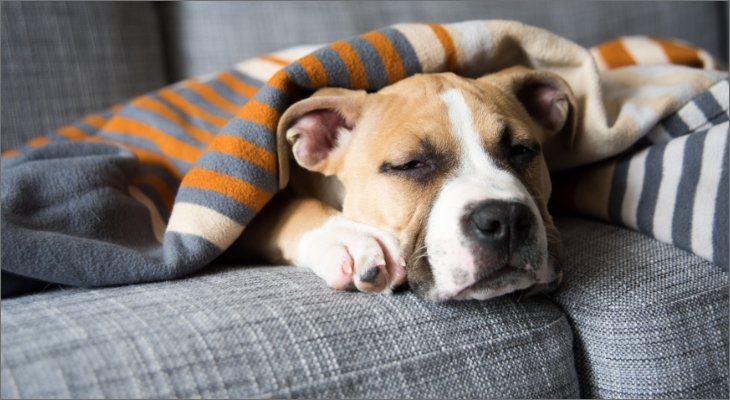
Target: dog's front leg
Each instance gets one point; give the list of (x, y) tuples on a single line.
[(308, 233)]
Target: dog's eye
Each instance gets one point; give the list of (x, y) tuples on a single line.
[(413, 164), (521, 154), (521, 150), (413, 169)]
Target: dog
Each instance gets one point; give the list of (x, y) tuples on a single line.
[(437, 181)]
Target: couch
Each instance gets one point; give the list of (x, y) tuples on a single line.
[(634, 318)]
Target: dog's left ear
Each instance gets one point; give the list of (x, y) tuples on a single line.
[(317, 129), (546, 97)]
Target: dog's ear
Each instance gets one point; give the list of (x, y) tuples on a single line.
[(317, 129), (546, 97)]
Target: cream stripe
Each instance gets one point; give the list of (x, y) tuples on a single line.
[(600, 62), (158, 225), (634, 184), (430, 52), (258, 69), (667, 194), (295, 53), (473, 43), (194, 219), (645, 50), (703, 212)]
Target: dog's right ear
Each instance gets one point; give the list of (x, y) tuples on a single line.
[(318, 128)]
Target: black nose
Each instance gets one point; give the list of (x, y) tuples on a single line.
[(501, 225)]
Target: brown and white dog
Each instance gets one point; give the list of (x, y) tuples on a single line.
[(437, 180)]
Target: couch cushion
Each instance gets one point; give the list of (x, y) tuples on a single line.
[(205, 37), (279, 332), (649, 320), (62, 60)]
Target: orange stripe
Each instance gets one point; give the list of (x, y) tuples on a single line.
[(679, 54), (96, 121), (448, 44), (615, 55), (241, 191), (145, 156), (211, 96), (236, 85), (191, 109), (10, 153), (72, 133), (274, 59), (315, 71), (245, 150), (38, 142), (168, 145), (260, 113), (155, 106), (355, 68), (281, 81), (388, 54)]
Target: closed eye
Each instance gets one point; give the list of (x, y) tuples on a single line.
[(419, 170), (410, 165)]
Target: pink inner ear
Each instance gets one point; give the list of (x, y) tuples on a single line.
[(546, 105), (316, 135)]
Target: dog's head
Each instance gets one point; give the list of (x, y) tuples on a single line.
[(451, 166)]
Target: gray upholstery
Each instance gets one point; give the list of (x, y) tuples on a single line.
[(635, 318), (650, 320), (63, 60), (205, 37), (279, 332)]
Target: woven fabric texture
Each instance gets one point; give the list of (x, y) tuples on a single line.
[(208, 37), (285, 335), (650, 320), (63, 60)]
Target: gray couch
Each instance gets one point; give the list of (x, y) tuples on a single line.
[(635, 318)]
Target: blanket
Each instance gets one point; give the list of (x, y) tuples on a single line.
[(160, 186)]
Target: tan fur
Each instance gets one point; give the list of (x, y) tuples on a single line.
[(391, 126)]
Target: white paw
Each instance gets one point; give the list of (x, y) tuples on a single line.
[(346, 254)]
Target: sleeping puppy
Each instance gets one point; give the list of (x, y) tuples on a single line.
[(438, 181)]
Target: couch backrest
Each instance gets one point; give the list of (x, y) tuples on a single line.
[(62, 60)]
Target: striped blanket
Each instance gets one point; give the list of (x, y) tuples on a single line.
[(162, 185)]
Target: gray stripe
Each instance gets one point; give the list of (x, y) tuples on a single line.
[(226, 92), (408, 56), (374, 68), (199, 101), (337, 73), (223, 204), (161, 123), (618, 190), (675, 125), (653, 170), (720, 239), (197, 122), (682, 219), (251, 131), (709, 106), (272, 97), (299, 76), (239, 169), (144, 144)]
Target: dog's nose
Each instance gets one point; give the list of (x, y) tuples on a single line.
[(501, 225)]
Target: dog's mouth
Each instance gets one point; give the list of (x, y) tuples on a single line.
[(502, 280)]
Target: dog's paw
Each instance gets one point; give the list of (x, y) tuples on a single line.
[(349, 255)]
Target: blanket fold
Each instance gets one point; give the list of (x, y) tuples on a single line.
[(162, 185)]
